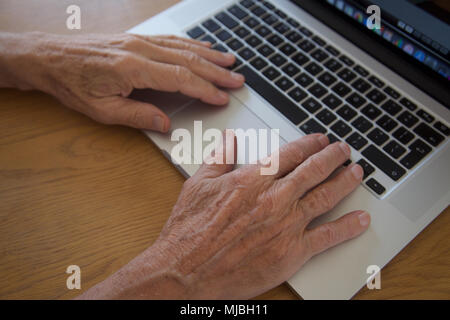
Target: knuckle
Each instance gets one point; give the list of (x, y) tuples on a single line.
[(318, 166), (182, 75), (190, 58), (124, 60), (325, 197), (329, 235), (130, 41)]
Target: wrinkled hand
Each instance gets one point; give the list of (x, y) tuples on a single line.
[(236, 234), (94, 74)]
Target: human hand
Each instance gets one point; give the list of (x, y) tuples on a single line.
[(236, 234), (94, 74)]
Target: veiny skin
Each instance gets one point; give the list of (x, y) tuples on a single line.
[(233, 234)]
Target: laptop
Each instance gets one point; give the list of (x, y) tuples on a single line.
[(315, 66)]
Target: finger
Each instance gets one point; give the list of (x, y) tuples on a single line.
[(187, 40), (173, 78), (214, 56), (222, 159), (200, 66), (295, 152), (316, 168), (132, 113), (333, 233), (327, 195)]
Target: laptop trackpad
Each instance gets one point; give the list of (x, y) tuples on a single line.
[(233, 116), (421, 192)]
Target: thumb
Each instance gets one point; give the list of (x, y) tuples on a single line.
[(139, 115)]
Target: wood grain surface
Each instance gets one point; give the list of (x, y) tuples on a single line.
[(73, 191)]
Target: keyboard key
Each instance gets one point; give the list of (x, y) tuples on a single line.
[(347, 75), (258, 63), (246, 54), (283, 104), (377, 82), (332, 50), (375, 186), (252, 23), (442, 128), (265, 50), (226, 20), (312, 126), (294, 37), (313, 68), (278, 60), (361, 71), (284, 84), (304, 80), (425, 116), (394, 94), (268, 5), (361, 85), (209, 38), (326, 116), (196, 32), (378, 136), (394, 149), (346, 60), (403, 135), (317, 90), (237, 12), (306, 45), (253, 41), (220, 48), (371, 112), (333, 65), (293, 23), (419, 150), (287, 49), (376, 96), (332, 138), (281, 14), (263, 31), (236, 64), (319, 41), (391, 107), (282, 28), (408, 104), (242, 32), (408, 119), (387, 123), (332, 101), (223, 35), (297, 94), (311, 105), (247, 3), (384, 163), (300, 59), (258, 11), (367, 168), (341, 128), (341, 89), (270, 19), (235, 44), (429, 134), (356, 141), (211, 25), (291, 69), (356, 100), (347, 113), (327, 78), (306, 31), (319, 55), (275, 40), (362, 124), (271, 73)]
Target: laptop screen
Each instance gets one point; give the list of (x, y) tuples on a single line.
[(419, 28)]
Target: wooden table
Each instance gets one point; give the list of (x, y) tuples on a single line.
[(73, 191)]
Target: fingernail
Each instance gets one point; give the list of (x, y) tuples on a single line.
[(229, 56), (357, 171), (206, 43), (237, 76), (364, 219), (158, 123), (344, 147), (323, 140)]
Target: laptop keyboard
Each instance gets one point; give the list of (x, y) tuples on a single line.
[(321, 90)]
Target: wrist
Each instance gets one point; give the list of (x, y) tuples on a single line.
[(151, 275)]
